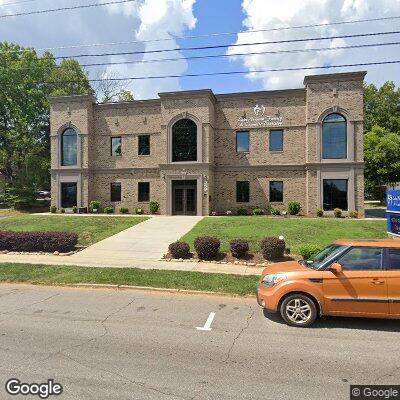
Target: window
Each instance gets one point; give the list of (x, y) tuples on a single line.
[(69, 148), (144, 145), (276, 140), (334, 137), (393, 259), (242, 142), (144, 191), (362, 259), (184, 141), (276, 191), (116, 146), (68, 194), (335, 194), (242, 192), (115, 191)]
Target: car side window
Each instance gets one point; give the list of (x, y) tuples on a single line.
[(393, 259), (362, 259)]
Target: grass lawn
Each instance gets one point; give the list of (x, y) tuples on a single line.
[(90, 229), (319, 231), (59, 275)]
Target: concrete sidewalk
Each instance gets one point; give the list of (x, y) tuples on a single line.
[(147, 241)]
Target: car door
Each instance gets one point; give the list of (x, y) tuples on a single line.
[(392, 264), (361, 288)]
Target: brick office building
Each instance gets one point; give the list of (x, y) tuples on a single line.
[(196, 152)]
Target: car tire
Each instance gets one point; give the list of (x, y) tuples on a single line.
[(298, 310)]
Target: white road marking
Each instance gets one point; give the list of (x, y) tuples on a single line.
[(207, 325)]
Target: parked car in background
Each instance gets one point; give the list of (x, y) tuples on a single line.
[(43, 194), (348, 278)]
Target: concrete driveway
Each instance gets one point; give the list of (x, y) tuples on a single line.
[(141, 345), (147, 241)]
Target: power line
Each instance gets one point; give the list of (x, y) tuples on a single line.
[(245, 72), (16, 3), (215, 34), (222, 73), (51, 10), (229, 45), (239, 54)]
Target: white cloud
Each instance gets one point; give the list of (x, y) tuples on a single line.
[(140, 20), (159, 19), (269, 14)]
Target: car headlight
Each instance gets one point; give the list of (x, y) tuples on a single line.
[(273, 279)]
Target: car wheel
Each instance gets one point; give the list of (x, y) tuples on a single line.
[(298, 310)]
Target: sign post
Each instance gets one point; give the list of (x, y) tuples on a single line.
[(393, 212)]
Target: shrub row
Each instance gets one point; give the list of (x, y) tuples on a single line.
[(38, 241), (207, 248)]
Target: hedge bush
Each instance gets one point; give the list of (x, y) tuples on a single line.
[(109, 210), (139, 211), (95, 205), (337, 212), (124, 210), (294, 207), (309, 250), (179, 250), (320, 212), (74, 209), (207, 247), (154, 206), (353, 214), (272, 248), (239, 247), (53, 209), (275, 211), (242, 211), (258, 211), (38, 241)]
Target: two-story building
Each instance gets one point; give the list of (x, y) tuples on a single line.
[(196, 152)]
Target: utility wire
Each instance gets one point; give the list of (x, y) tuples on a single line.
[(208, 56), (229, 45), (16, 3), (216, 34), (239, 54), (228, 72), (66, 8)]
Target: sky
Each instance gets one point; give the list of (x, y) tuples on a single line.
[(143, 21)]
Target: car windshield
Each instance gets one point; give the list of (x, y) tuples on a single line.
[(319, 259)]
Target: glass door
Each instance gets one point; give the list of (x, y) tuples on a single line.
[(184, 197), (69, 194)]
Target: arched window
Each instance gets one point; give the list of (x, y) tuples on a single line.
[(184, 141), (69, 147), (334, 137)]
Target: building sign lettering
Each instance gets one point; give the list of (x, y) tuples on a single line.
[(259, 119)]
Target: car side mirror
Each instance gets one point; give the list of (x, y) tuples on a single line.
[(336, 268)]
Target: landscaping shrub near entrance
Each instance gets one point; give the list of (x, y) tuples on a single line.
[(38, 241), (272, 248), (207, 247)]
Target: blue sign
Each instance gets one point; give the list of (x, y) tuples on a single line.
[(393, 212), (393, 201)]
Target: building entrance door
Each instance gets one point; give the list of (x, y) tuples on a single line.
[(184, 197)]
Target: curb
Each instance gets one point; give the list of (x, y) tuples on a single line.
[(130, 287)]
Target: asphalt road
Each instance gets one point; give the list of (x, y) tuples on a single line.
[(106, 344)]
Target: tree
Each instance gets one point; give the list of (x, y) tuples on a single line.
[(110, 89), (382, 161), (382, 107), (125, 95), (27, 80)]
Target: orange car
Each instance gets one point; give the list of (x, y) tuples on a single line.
[(348, 278)]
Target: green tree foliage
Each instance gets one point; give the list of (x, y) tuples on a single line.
[(382, 138), (26, 81), (125, 95), (382, 107), (382, 160)]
